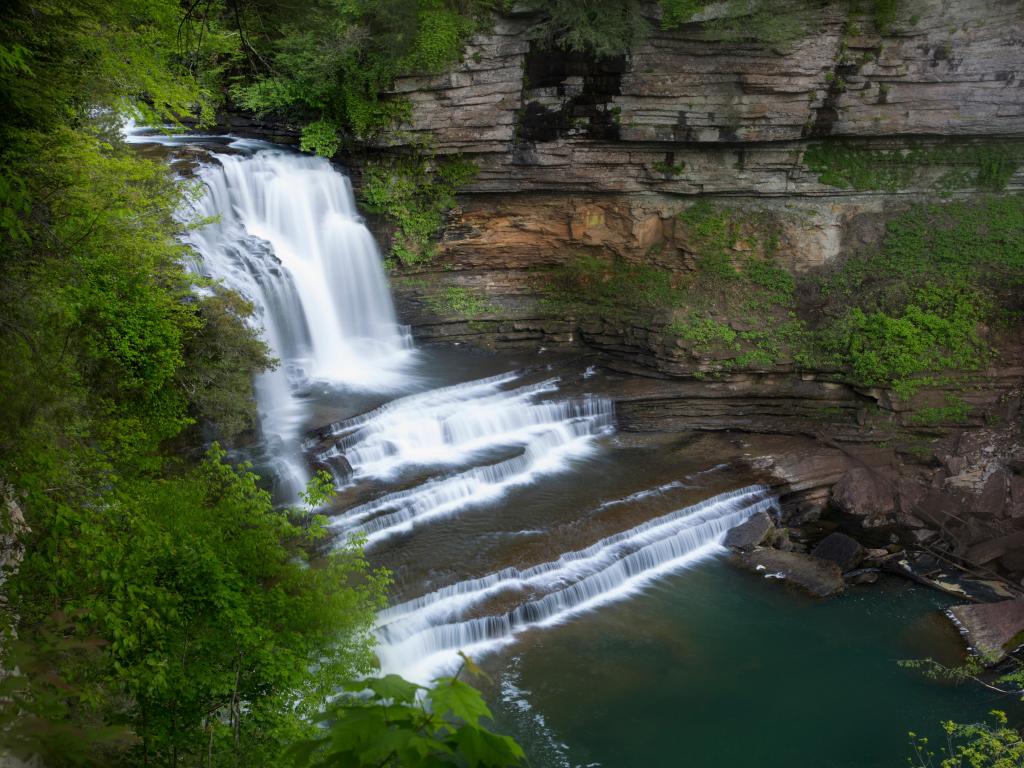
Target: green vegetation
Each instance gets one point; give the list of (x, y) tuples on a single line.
[(599, 27), (589, 284), (982, 166), (459, 301), (415, 192), (916, 307), (328, 63), (976, 745), (394, 728), (928, 302), (734, 277), (667, 168), (777, 24)]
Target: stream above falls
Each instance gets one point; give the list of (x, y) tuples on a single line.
[(582, 567)]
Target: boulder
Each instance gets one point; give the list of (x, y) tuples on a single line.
[(750, 534), (865, 494), (820, 578), (992, 629), (841, 550)]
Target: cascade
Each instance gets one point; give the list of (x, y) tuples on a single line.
[(420, 637), (283, 231)]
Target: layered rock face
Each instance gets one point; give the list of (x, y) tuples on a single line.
[(583, 155)]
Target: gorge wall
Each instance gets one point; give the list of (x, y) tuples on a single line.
[(580, 157)]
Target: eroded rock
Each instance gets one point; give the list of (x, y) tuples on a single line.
[(993, 630), (861, 492), (818, 577), (751, 533)]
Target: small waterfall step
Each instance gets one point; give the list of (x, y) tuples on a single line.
[(422, 636)]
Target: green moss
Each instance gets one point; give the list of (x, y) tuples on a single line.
[(917, 306), (669, 169), (415, 193), (588, 285), (677, 12), (955, 411), (459, 301), (984, 166), (703, 332)]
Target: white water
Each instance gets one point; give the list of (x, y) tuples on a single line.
[(286, 234), (421, 637), (454, 426)]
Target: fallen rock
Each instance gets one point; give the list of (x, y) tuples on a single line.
[(862, 493), (840, 549), (820, 578), (750, 534), (993, 630), (989, 550)]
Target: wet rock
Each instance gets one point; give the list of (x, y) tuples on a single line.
[(841, 550), (820, 578), (751, 533), (992, 629), (864, 493)]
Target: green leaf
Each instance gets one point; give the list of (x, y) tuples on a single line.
[(481, 747), (393, 687), (459, 699)]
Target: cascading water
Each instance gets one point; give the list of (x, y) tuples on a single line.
[(422, 636), (453, 426), (285, 233)]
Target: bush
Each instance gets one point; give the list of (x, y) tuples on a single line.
[(415, 193)]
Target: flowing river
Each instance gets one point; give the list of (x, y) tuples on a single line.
[(583, 569)]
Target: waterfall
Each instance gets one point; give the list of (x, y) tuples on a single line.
[(284, 232), (421, 637), (453, 426), (282, 229)]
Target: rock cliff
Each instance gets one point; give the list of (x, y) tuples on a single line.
[(599, 157)]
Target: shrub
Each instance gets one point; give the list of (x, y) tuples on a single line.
[(415, 193)]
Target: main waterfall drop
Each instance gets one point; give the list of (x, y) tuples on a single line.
[(288, 234), (285, 233)]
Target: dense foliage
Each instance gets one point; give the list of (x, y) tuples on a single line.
[(415, 193), (164, 611), (402, 724), (973, 745), (930, 302)]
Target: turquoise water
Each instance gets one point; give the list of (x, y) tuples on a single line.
[(719, 667)]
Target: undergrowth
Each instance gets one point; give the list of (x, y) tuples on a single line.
[(986, 167), (921, 309), (415, 193)]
